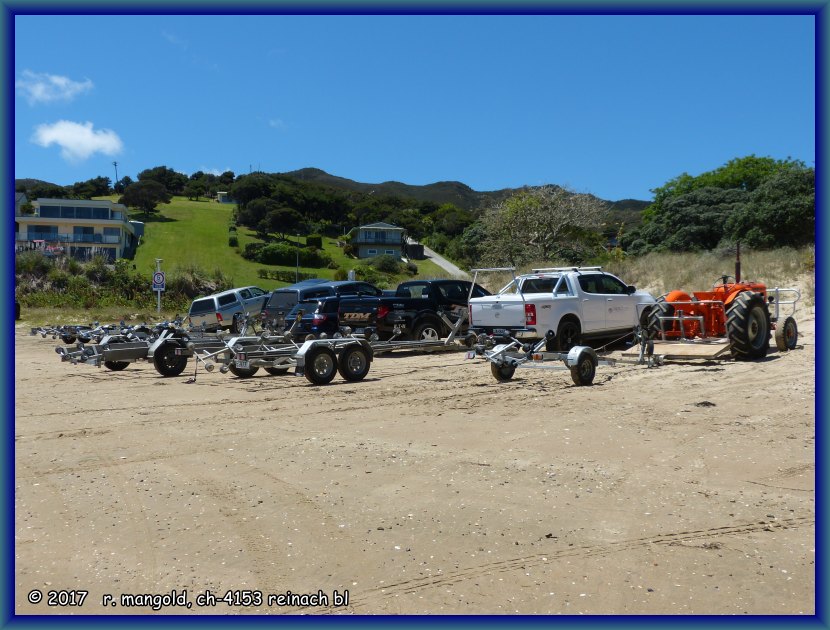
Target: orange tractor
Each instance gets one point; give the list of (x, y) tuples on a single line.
[(732, 309)]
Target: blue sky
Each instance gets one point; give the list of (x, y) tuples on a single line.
[(611, 105)]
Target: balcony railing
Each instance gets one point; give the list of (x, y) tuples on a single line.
[(51, 237)]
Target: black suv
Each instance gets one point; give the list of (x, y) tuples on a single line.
[(277, 311)]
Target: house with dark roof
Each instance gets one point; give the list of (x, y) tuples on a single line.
[(379, 238)]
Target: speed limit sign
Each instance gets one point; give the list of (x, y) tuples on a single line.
[(158, 281)]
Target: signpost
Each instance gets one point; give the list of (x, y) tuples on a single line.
[(159, 280)]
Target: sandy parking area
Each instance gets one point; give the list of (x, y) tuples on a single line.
[(427, 488)]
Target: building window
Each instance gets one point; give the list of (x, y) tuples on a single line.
[(100, 213), (50, 212), (372, 252), (390, 251)]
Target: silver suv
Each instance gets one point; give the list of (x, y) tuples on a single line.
[(225, 309)]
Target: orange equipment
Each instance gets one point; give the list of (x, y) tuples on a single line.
[(733, 308)]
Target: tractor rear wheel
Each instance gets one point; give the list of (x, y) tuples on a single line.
[(786, 335), (660, 309), (748, 326)]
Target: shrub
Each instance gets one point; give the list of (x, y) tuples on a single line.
[(341, 274), (385, 263), (281, 254), (314, 240), (233, 241), (58, 279), (252, 250), (411, 268), (97, 270), (32, 263)]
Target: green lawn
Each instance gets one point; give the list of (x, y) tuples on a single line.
[(188, 233)]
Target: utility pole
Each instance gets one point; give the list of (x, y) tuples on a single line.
[(297, 273), (115, 164)]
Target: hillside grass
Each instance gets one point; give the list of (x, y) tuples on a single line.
[(187, 234)]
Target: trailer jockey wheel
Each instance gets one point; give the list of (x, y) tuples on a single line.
[(502, 373)]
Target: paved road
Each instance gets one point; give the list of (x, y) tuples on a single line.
[(443, 262)]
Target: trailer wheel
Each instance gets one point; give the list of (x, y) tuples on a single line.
[(116, 366), (242, 372), (353, 363), (585, 369), (502, 373), (427, 331), (748, 326), (235, 327), (167, 363), (276, 371), (786, 335), (68, 339), (320, 365)]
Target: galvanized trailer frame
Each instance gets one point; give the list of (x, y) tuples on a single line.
[(581, 361)]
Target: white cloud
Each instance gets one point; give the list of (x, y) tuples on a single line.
[(46, 88), (77, 141), (214, 171), (276, 123)]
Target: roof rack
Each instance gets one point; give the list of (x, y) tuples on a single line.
[(566, 269)]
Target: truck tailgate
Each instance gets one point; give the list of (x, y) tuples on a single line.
[(498, 311)]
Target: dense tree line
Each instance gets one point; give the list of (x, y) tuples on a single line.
[(761, 202)]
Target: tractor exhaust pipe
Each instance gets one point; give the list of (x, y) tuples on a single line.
[(738, 263)]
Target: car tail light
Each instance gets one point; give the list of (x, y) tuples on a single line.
[(383, 311), (530, 314), (219, 317), (319, 318)]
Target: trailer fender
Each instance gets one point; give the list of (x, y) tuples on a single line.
[(576, 353)]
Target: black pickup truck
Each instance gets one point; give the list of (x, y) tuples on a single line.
[(415, 307)]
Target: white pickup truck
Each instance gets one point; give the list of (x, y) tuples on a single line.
[(568, 305)]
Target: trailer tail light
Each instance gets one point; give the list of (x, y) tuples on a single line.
[(530, 314), (219, 317), (383, 311)]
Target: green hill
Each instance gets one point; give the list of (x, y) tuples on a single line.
[(189, 234)]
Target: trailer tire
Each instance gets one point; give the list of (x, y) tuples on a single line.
[(585, 369), (68, 339), (277, 371), (320, 365), (354, 363), (242, 372), (167, 362), (427, 331), (786, 335), (116, 366), (502, 373), (748, 326)]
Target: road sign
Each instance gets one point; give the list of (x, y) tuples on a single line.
[(158, 281)]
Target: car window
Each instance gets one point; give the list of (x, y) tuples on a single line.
[(613, 286), (282, 299), (590, 283), (256, 292), (365, 287), (200, 307), (316, 293), (225, 300), (452, 291), (478, 291), (245, 294), (539, 285)]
